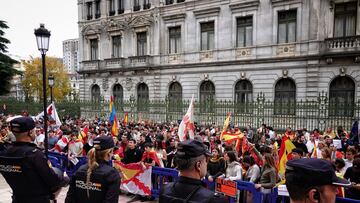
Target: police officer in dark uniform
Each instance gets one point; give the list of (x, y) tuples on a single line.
[(25, 167), (191, 160), (96, 181), (312, 180)]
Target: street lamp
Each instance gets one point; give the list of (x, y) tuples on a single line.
[(42, 40), (51, 80)]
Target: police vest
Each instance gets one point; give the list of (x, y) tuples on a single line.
[(23, 179), (91, 192), (169, 195)]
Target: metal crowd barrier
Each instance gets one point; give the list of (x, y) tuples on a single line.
[(162, 176)]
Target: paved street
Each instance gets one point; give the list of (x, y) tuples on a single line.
[(5, 194)]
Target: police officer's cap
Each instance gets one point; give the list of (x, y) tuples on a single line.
[(22, 124), (191, 149), (314, 172), (105, 142)]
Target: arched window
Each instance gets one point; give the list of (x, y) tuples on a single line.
[(118, 93), (142, 97), (243, 96), (207, 97), (285, 97), (175, 97), (95, 93), (342, 96)]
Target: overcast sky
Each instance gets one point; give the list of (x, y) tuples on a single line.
[(59, 16)]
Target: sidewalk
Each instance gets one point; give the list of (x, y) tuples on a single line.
[(6, 192)]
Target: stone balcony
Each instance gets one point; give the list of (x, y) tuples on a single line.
[(92, 65), (344, 45), (114, 63), (140, 61)]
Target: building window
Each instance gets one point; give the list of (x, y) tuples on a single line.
[(207, 36), (345, 19), (244, 31), (95, 93), (287, 26), (243, 96), (97, 9), (342, 97), (116, 46), (118, 93), (168, 2), (93, 49), (89, 9), (285, 97), (121, 6), (141, 43), (111, 7), (147, 4), (174, 40), (142, 97), (136, 5), (207, 97), (175, 97)]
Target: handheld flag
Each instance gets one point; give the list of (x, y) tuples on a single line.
[(187, 126), (83, 135), (226, 124), (134, 179), (126, 118), (285, 153), (52, 114), (113, 119)]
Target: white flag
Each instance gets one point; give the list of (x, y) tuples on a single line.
[(52, 113), (187, 126)]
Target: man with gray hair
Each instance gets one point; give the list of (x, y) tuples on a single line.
[(191, 160)]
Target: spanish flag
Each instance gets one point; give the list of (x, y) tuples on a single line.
[(126, 118), (285, 153), (226, 124), (236, 137), (83, 134), (113, 119)]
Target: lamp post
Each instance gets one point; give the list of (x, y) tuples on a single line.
[(51, 80), (42, 40)]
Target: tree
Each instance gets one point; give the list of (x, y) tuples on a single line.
[(32, 80), (7, 70)]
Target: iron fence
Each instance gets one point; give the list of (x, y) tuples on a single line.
[(300, 114)]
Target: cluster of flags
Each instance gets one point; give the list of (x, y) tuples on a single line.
[(113, 118)]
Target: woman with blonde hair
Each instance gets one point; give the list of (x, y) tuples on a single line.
[(326, 153), (96, 181)]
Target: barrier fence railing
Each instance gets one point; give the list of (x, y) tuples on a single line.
[(162, 176)]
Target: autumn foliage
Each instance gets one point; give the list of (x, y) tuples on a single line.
[(32, 80)]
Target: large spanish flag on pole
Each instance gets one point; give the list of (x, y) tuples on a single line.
[(134, 178), (285, 153)]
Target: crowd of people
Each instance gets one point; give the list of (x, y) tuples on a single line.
[(257, 164)]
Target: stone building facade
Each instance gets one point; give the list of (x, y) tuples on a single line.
[(289, 50)]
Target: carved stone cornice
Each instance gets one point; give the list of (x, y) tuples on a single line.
[(174, 17), (284, 2), (207, 12), (250, 4)]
